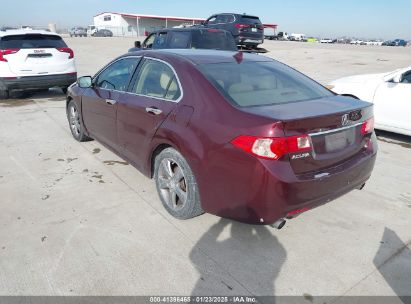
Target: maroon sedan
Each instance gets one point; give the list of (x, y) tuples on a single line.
[(237, 135)]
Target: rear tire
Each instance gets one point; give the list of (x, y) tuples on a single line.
[(176, 185), (4, 94), (75, 122)]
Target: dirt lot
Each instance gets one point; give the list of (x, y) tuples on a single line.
[(77, 220)]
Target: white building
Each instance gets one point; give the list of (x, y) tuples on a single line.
[(122, 24)]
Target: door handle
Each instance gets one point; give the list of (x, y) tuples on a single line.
[(111, 101), (154, 111)]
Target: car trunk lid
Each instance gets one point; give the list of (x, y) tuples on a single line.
[(333, 126)]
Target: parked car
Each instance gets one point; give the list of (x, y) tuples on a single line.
[(297, 37), (188, 38), (312, 39), (103, 33), (390, 93), (282, 36), (326, 40), (374, 42), (400, 42), (389, 43), (247, 30), (78, 32), (32, 59), (234, 134), (356, 42)]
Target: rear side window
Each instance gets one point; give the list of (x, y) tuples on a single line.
[(31, 41), (180, 40), (250, 84), (156, 79), (213, 39), (250, 20)]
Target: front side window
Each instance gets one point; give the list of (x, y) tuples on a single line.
[(249, 84), (157, 79), (160, 41), (117, 75), (107, 18), (148, 43)]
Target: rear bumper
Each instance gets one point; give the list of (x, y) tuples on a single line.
[(37, 82), (262, 191), (249, 39)]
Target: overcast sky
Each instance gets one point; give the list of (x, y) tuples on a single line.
[(323, 18)]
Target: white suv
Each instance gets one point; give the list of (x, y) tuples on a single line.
[(32, 59)]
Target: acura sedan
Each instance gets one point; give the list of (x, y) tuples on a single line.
[(237, 135)]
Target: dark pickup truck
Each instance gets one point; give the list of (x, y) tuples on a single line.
[(188, 38)]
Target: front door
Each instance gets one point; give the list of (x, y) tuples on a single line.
[(99, 103), (392, 103)]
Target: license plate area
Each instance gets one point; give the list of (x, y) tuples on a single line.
[(339, 140)]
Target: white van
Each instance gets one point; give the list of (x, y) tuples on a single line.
[(298, 37)]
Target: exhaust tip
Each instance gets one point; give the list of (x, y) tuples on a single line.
[(279, 224)]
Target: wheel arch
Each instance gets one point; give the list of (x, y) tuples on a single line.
[(156, 151)]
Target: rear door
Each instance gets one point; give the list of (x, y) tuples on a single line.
[(38, 54), (153, 94), (99, 103)]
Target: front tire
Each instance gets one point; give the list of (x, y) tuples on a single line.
[(176, 185), (75, 122)]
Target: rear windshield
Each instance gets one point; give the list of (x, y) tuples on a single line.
[(250, 84), (250, 20), (31, 41), (213, 39)]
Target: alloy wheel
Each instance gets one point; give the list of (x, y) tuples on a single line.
[(74, 121), (172, 184)]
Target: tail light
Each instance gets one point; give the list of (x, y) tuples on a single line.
[(7, 52), (367, 126), (272, 148), (242, 26), (260, 27), (67, 50)]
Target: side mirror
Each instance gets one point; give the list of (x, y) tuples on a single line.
[(137, 44), (85, 82), (397, 78)]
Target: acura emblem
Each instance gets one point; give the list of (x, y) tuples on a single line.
[(344, 120), (355, 115)]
